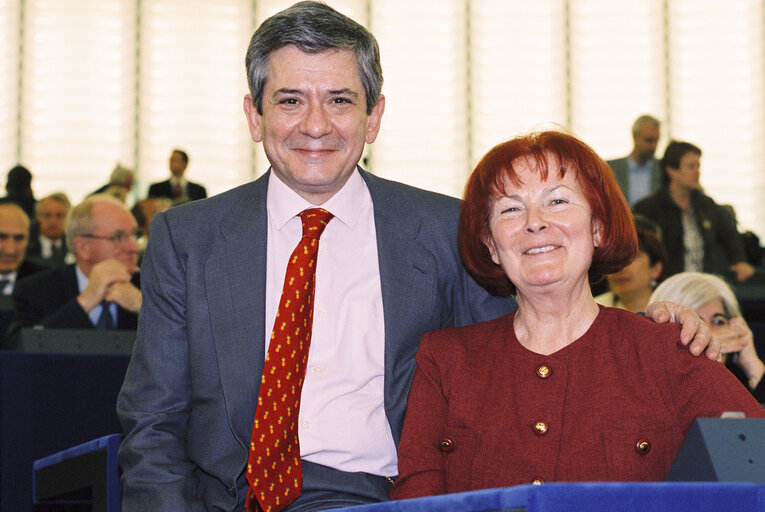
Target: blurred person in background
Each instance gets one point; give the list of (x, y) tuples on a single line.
[(120, 183), (178, 188), (99, 291), (143, 211), (699, 234), (639, 173), (48, 240), (716, 304), (14, 235), (19, 190), (631, 287)]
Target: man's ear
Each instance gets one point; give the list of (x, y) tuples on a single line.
[(81, 247), (253, 118), (373, 120)]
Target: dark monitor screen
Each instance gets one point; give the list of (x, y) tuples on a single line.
[(78, 341)]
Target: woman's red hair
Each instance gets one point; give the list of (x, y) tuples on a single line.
[(607, 203)]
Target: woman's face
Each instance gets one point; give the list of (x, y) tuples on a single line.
[(713, 313), (542, 233), (635, 277)]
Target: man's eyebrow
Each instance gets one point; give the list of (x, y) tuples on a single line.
[(344, 91), (284, 90)]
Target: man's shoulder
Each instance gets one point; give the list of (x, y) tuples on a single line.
[(50, 278), (652, 201), (203, 218), (403, 195), (251, 192), (618, 163), (700, 198), (157, 184), (32, 265)]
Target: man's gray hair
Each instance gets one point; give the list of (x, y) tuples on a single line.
[(643, 120), (122, 176), (61, 197), (694, 289), (79, 220), (313, 27)]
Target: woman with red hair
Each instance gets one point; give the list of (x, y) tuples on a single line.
[(562, 389)]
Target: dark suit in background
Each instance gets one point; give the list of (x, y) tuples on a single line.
[(193, 191), (29, 267), (34, 252), (723, 246), (49, 299), (201, 332)]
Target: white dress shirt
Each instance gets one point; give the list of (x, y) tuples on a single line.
[(10, 279), (46, 247), (342, 415)]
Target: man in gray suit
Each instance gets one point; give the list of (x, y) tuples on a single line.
[(639, 173), (388, 271)]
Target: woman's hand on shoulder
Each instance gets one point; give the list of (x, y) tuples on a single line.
[(694, 332)]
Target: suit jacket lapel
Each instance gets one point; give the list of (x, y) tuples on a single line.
[(235, 277), (408, 288)]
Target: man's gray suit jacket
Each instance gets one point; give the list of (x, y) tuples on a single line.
[(621, 169), (188, 400)]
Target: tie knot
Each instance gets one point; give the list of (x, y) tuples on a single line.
[(314, 222)]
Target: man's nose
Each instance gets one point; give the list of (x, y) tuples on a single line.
[(316, 122)]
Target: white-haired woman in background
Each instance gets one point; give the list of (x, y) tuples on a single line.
[(716, 304)]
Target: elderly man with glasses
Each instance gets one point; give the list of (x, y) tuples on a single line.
[(98, 291)]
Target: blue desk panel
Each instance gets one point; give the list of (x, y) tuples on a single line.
[(48, 403), (590, 497)]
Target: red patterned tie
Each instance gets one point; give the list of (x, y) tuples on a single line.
[(274, 471)]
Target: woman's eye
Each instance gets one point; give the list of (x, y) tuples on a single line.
[(510, 209), (719, 321), (558, 201)]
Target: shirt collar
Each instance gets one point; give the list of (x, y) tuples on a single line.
[(633, 165), (283, 203), (82, 279), (10, 277)]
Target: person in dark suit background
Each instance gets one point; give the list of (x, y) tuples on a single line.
[(387, 272), (100, 290), (47, 242), (639, 173), (14, 235), (178, 188)]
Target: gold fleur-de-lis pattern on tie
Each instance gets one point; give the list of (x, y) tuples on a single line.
[(274, 471)]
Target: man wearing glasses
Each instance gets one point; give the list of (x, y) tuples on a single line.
[(98, 291)]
